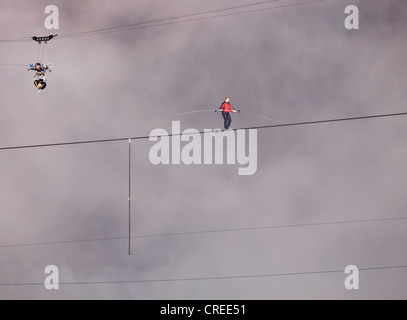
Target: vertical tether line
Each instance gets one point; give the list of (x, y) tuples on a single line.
[(42, 53), (129, 196), (38, 54)]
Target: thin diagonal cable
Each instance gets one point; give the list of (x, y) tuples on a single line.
[(192, 112), (12, 65), (260, 116), (16, 39), (168, 20), (213, 231), (284, 125), (192, 20), (214, 278)]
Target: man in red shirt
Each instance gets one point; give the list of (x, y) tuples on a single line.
[(226, 108)]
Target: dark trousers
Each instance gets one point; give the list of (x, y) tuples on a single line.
[(228, 119)]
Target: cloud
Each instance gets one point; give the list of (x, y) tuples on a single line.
[(296, 63)]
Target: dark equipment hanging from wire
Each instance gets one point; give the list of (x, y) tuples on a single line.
[(40, 80), (44, 39)]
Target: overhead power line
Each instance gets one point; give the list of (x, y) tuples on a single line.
[(17, 39), (215, 278), (191, 17), (13, 65), (170, 20), (138, 24), (282, 125), (201, 232)]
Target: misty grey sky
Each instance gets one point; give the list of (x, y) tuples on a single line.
[(293, 64)]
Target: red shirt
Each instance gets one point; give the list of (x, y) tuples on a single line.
[(226, 107)]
